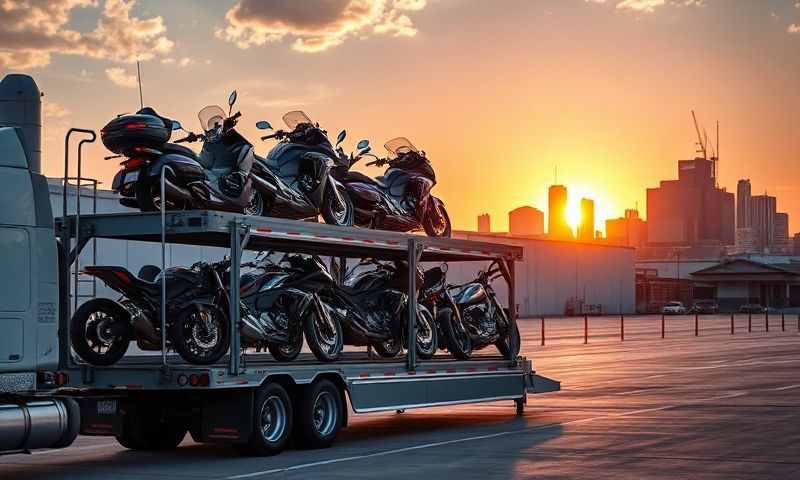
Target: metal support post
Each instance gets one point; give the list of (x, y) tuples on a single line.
[(732, 325), (783, 322), (542, 322), (663, 325), (622, 328), (236, 260), (414, 253), (163, 268), (585, 329), (512, 306), (749, 322), (766, 320), (696, 325)]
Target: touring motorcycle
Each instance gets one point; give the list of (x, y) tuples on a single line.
[(280, 301), (486, 322), (217, 178), (399, 200), (435, 295), (197, 321), (371, 306), (295, 180)]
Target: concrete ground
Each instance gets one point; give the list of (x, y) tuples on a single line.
[(718, 406)]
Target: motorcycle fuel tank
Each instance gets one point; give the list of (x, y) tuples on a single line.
[(471, 294)]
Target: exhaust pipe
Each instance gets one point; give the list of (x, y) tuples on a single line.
[(38, 423)]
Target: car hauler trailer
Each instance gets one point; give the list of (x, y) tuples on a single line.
[(149, 402)]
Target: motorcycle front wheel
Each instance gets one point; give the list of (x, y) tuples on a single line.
[(100, 332), (201, 334), (437, 225), (286, 352), (389, 348), (255, 207), (456, 337), (509, 346), (427, 341), (335, 212), (324, 336)]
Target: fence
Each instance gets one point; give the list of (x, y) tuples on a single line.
[(667, 326)]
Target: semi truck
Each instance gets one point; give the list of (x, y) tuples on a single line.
[(248, 400)]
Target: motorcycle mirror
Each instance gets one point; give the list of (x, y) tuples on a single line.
[(363, 144), (340, 138), (176, 125), (365, 150), (444, 267), (231, 100), (263, 125)]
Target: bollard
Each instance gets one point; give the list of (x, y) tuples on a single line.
[(542, 331), (663, 324), (783, 322), (798, 322), (696, 325), (766, 320), (585, 329), (622, 328), (749, 322), (731, 324)]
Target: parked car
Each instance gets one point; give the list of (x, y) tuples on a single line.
[(752, 308), (673, 308), (705, 307)]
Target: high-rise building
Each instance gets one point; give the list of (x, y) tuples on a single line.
[(743, 217), (628, 231), (586, 225), (484, 223), (691, 210), (526, 221), (762, 210), (557, 226), (781, 244), (796, 245)]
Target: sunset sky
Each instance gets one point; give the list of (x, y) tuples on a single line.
[(498, 93)]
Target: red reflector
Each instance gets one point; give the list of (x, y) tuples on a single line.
[(194, 380), (133, 163), (135, 125), (62, 379)]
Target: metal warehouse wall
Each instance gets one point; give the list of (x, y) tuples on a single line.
[(552, 272)]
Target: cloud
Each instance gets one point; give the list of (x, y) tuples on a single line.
[(53, 110), (316, 25), (31, 31), (120, 77), (793, 28), (640, 5)]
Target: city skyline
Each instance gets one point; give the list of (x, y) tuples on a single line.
[(613, 121)]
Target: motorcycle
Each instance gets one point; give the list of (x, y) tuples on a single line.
[(401, 199), (371, 306), (486, 322), (217, 178), (197, 324), (294, 180), (279, 302), (435, 295)]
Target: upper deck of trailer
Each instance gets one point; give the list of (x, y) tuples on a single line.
[(213, 228)]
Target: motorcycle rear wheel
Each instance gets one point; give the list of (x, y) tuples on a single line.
[(287, 352), (199, 340), (91, 336), (509, 346), (144, 196), (388, 348), (456, 337), (341, 215)]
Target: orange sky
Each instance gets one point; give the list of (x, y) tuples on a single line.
[(497, 93)]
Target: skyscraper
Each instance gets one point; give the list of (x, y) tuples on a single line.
[(743, 216), (484, 223), (781, 244), (526, 221), (586, 225), (629, 231), (557, 226), (762, 210)]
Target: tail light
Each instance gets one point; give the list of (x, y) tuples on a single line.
[(135, 125), (133, 163)]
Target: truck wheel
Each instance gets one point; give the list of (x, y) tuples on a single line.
[(272, 422), (147, 433), (319, 414), (100, 331)]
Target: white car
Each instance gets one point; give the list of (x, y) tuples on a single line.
[(673, 308)]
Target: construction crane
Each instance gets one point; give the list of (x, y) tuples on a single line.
[(703, 147)]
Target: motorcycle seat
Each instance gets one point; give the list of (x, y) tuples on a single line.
[(360, 177), (179, 149)]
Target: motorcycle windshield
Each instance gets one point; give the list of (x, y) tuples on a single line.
[(399, 146), (211, 117), (294, 118)]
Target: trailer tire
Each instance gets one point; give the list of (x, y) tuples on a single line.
[(148, 432), (319, 414), (272, 419)]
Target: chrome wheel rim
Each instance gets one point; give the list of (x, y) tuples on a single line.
[(272, 419), (424, 331), (326, 333), (325, 413), (255, 207)]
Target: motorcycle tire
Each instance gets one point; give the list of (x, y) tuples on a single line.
[(456, 337), (427, 336), (188, 338), (326, 345), (434, 230), (388, 348), (286, 352), (328, 208), (84, 332), (257, 205), (144, 196), (509, 346)]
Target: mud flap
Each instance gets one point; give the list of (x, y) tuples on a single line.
[(225, 417)]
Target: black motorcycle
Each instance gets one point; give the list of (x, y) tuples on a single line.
[(487, 323), (217, 178), (294, 180), (401, 199), (197, 320), (435, 295), (280, 302), (371, 306)]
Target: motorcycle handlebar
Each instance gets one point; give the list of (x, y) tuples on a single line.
[(279, 134)]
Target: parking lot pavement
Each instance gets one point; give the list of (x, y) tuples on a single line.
[(718, 406)]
